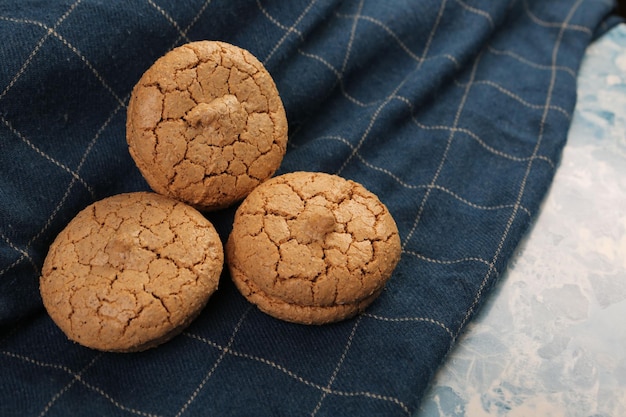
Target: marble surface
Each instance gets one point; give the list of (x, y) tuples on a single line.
[(551, 340)]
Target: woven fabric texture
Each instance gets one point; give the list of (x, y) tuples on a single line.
[(454, 112)]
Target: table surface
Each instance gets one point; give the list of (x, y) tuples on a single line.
[(551, 340)]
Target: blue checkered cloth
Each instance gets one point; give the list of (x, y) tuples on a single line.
[(454, 112)]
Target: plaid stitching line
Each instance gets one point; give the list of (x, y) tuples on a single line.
[(181, 34), (69, 385), (523, 184), (395, 91), (300, 379), (288, 31), (77, 376), (38, 46), (337, 367), (223, 353), (52, 31), (443, 158)]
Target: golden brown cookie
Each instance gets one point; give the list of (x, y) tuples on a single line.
[(312, 248), (205, 124), (131, 271)]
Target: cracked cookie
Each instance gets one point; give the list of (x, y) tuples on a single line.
[(131, 271), (205, 124), (312, 248)]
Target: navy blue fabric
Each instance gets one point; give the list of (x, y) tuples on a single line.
[(453, 112)]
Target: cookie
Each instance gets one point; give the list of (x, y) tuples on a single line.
[(205, 124), (131, 271), (312, 248)]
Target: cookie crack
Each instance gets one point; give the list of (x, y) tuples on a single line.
[(159, 299)]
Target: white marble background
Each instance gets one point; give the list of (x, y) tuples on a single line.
[(551, 340)]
